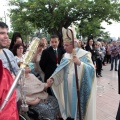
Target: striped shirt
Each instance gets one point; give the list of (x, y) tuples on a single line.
[(114, 50)]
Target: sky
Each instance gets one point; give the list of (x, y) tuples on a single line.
[(113, 29), (4, 11)]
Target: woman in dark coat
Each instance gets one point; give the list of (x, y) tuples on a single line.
[(90, 47)]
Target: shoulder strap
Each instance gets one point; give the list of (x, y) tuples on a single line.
[(10, 66)]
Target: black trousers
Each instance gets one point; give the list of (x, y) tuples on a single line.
[(118, 113), (119, 78), (98, 66), (108, 58), (70, 119)]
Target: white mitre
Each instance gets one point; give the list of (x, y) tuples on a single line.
[(66, 32)]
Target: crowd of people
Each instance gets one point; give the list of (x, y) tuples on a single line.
[(50, 85), (103, 53)]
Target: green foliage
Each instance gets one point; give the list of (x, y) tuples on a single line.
[(1, 19), (92, 27), (10, 34), (52, 15), (19, 24)]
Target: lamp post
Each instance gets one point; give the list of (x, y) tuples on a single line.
[(4, 8), (5, 16)]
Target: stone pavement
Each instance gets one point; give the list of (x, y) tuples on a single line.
[(107, 94)]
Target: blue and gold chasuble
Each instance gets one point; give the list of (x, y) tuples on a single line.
[(64, 86)]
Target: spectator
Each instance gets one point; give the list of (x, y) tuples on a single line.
[(16, 38), (98, 55), (103, 49), (8, 43), (36, 60), (45, 42), (18, 53), (108, 55), (114, 50), (90, 47), (36, 95), (118, 112), (81, 44), (51, 57)]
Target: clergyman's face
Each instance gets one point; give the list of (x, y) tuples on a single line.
[(3, 37), (68, 47)]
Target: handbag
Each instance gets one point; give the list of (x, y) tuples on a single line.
[(10, 65)]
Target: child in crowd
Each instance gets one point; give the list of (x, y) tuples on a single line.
[(98, 59)]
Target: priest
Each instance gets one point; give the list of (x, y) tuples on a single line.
[(64, 85)]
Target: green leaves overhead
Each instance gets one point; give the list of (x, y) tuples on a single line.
[(52, 15)]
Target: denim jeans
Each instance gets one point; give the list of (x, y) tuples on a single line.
[(112, 62)]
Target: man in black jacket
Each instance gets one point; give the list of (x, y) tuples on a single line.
[(118, 112), (119, 78), (51, 57)]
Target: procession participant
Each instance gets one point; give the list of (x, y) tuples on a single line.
[(6, 55), (64, 86), (9, 112)]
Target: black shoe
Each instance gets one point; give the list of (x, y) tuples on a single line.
[(60, 119), (69, 119), (116, 70), (110, 69), (100, 75), (97, 76)]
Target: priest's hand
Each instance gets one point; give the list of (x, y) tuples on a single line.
[(50, 82), (76, 60)]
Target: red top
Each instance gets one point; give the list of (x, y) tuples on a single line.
[(10, 111)]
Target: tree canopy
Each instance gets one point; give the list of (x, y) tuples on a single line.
[(52, 15)]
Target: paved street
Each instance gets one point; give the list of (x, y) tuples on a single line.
[(107, 94)]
